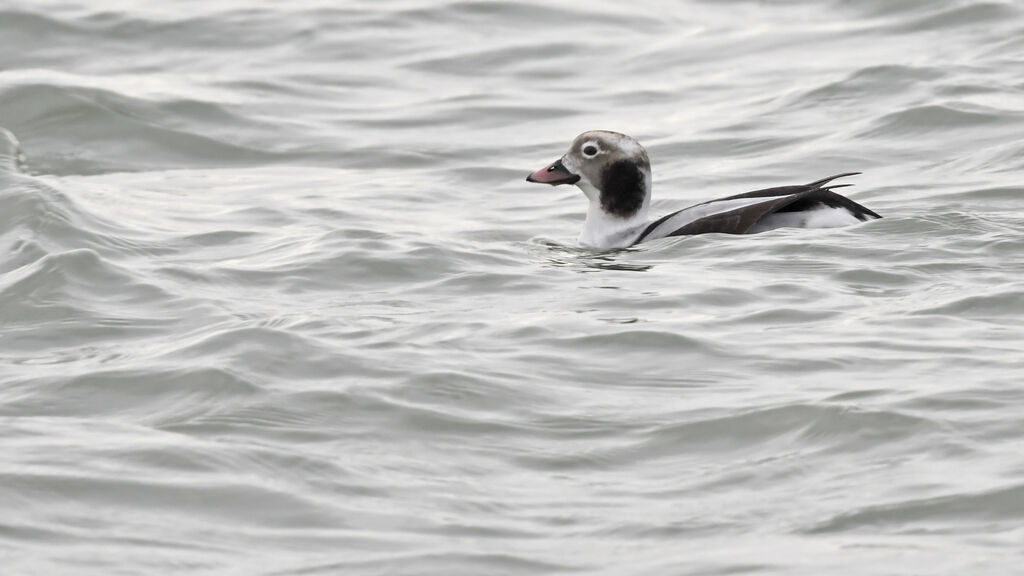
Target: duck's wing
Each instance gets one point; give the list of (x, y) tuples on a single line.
[(742, 213)]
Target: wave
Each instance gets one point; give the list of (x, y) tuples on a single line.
[(104, 131), (11, 157), (940, 118), (1000, 508)]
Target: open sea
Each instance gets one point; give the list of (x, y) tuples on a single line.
[(276, 300)]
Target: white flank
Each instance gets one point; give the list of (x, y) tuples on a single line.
[(820, 217)]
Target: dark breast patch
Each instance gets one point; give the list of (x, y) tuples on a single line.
[(622, 188)]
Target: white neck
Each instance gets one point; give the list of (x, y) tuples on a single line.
[(604, 231)]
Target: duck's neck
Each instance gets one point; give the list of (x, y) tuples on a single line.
[(605, 231)]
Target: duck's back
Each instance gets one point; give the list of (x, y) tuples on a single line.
[(813, 205)]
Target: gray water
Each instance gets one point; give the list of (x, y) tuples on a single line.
[(275, 298)]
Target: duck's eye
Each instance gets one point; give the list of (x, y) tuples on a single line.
[(589, 150)]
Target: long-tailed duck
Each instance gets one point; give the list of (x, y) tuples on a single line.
[(614, 173)]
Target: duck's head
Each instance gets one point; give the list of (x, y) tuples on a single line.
[(614, 173)]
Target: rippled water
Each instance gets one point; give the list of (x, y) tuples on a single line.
[(275, 298)]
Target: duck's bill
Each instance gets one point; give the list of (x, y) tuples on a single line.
[(554, 174)]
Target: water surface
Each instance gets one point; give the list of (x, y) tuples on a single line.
[(275, 298)]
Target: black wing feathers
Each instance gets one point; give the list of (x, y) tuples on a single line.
[(790, 199)]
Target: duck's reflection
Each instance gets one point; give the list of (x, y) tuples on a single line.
[(580, 259)]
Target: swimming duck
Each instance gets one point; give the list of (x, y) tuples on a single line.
[(614, 173)]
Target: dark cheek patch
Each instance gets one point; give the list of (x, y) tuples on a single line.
[(622, 188)]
